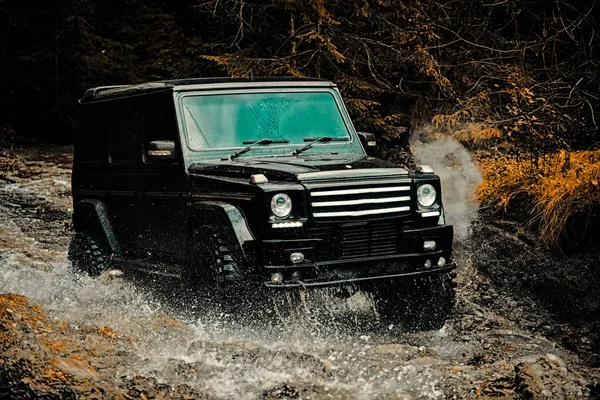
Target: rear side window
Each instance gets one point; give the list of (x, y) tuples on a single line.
[(127, 127), (160, 117), (90, 144)]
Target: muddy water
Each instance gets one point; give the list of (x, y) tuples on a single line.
[(228, 360), (319, 354)]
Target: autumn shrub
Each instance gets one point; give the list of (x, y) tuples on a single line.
[(560, 186)]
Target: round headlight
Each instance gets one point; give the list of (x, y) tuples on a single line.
[(281, 205), (426, 195)]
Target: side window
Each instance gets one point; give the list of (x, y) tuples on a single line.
[(90, 141), (127, 127)]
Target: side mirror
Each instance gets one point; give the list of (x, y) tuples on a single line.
[(368, 141), (161, 150)]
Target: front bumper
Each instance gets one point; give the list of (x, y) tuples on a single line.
[(333, 282), (327, 263)]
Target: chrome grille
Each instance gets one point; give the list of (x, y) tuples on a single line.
[(360, 201)]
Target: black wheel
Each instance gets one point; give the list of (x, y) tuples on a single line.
[(420, 304), (212, 273), (87, 254)]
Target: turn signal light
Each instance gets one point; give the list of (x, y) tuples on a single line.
[(258, 179)]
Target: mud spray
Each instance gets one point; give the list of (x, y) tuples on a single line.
[(231, 360)]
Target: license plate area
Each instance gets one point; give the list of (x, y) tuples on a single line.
[(370, 239)]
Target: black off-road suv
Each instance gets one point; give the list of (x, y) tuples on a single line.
[(260, 183)]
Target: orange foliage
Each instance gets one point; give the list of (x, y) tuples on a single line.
[(109, 333), (57, 346), (561, 185), (56, 376), (165, 321), (476, 133)]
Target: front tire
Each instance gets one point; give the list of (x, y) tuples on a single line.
[(211, 275), (421, 304)]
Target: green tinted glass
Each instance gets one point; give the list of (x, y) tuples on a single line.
[(227, 120)]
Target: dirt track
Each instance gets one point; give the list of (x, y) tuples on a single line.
[(64, 337)]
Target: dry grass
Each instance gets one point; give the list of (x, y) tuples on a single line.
[(561, 185)]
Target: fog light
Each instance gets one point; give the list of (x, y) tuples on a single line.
[(429, 244), (277, 278), (427, 264), (296, 258), (441, 262)]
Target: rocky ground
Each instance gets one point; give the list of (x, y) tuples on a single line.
[(515, 333)]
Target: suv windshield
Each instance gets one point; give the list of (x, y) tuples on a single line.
[(228, 120)]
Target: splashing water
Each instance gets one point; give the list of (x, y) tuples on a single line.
[(227, 361)]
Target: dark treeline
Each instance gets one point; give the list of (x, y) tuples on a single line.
[(501, 70)]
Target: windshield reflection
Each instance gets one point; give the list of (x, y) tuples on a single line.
[(227, 120)]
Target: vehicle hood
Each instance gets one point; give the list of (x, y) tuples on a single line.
[(299, 169)]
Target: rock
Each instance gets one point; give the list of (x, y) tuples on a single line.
[(553, 358), (284, 392), (547, 377)]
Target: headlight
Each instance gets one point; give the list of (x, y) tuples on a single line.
[(426, 195), (281, 205)]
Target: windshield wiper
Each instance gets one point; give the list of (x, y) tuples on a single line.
[(253, 144), (315, 141)]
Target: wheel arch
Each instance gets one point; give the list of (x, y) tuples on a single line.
[(92, 215), (227, 217)]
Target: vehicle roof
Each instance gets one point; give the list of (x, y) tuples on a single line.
[(120, 91)]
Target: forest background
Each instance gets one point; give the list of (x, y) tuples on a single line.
[(516, 82)]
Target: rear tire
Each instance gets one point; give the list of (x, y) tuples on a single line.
[(421, 304), (87, 254)]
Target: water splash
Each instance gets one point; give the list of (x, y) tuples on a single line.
[(220, 358)]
